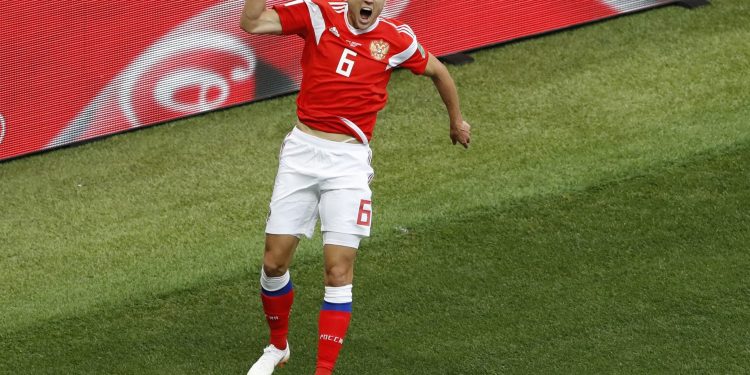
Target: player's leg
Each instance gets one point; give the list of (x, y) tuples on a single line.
[(293, 213), (277, 296), (345, 213), (277, 290), (346, 217), (336, 311)]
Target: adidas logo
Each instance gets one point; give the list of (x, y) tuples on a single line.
[(334, 31)]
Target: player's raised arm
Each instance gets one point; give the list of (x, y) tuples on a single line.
[(460, 130), (258, 19)]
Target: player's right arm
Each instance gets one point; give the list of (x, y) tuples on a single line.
[(258, 19)]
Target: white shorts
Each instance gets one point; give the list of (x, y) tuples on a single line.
[(321, 178)]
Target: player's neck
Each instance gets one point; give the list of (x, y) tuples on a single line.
[(351, 22)]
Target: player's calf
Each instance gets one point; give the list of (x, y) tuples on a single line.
[(277, 295), (335, 315)]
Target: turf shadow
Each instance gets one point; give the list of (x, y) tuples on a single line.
[(646, 274)]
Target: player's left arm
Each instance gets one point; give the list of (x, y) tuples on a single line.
[(460, 130)]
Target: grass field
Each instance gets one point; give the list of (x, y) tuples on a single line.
[(600, 223)]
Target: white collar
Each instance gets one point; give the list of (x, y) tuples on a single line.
[(354, 30)]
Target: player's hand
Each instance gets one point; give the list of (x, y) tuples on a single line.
[(461, 134)]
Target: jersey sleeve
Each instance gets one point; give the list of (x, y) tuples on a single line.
[(294, 17), (412, 56)]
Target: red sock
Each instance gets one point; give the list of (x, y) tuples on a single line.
[(332, 326), (276, 306), (323, 371)]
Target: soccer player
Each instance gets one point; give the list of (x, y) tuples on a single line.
[(324, 164)]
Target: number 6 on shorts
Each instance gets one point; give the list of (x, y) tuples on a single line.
[(365, 212)]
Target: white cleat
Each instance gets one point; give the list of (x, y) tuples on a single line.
[(271, 358)]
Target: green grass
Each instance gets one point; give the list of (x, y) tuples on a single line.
[(645, 275), (598, 224)]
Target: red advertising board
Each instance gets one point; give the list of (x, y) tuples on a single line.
[(74, 71)]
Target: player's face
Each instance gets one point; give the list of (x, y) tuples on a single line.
[(363, 13)]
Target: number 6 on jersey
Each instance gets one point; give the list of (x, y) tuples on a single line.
[(345, 65)]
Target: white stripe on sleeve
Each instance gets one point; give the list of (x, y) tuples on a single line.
[(316, 16), (406, 54), (399, 58)]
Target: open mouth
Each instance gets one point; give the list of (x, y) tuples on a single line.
[(365, 14)]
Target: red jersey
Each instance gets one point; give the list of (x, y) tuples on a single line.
[(345, 70)]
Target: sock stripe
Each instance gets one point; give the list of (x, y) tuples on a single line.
[(276, 293), (345, 307)]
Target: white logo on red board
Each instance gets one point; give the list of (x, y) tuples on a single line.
[(177, 73), (202, 64), (2, 128)]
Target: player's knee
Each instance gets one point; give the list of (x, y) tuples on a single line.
[(338, 275), (274, 270), (278, 254), (274, 265)]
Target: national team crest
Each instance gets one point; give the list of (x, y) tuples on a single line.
[(378, 49)]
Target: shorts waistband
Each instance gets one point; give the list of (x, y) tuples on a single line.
[(325, 143)]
